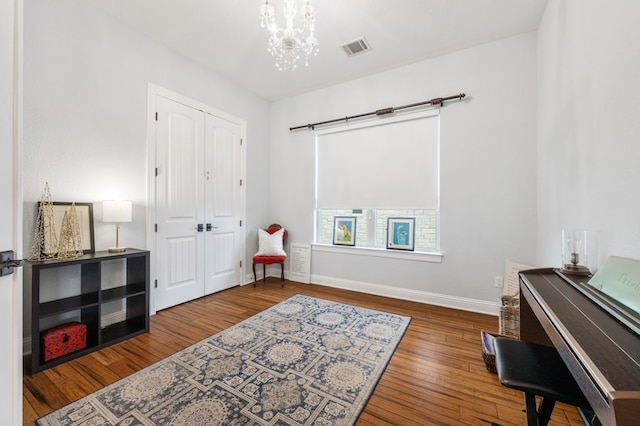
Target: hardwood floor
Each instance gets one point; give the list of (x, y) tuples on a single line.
[(436, 376)]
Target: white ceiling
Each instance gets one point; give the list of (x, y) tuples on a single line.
[(225, 35)]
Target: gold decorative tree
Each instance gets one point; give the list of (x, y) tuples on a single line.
[(70, 242), (45, 240)]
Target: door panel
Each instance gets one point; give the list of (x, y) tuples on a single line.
[(222, 204), (222, 262), (180, 266), (180, 247)]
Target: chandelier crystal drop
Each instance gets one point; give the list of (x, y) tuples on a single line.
[(289, 43)]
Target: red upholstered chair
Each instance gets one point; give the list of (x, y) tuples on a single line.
[(270, 250)]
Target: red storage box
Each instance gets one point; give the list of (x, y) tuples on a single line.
[(63, 339)]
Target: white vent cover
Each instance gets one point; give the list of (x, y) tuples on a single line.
[(356, 47)]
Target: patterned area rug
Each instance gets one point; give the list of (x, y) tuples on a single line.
[(305, 361)]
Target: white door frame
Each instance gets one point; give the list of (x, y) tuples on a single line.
[(11, 75), (153, 91)]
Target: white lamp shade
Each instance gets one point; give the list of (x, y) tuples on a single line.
[(116, 211)]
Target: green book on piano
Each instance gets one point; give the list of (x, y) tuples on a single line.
[(619, 278)]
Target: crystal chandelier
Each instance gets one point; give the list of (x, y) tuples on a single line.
[(288, 44)]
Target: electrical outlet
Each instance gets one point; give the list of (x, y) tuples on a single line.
[(498, 282)]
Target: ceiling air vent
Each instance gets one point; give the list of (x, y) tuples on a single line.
[(356, 47)]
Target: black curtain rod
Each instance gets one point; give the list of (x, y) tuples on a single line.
[(384, 111)]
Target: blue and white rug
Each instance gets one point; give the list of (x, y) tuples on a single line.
[(305, 361)]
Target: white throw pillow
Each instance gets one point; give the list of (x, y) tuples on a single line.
[(270, 244)]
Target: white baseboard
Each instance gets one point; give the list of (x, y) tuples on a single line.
[(462, 303), (248, 279), (455, 302), (447, 301), (113, 318)]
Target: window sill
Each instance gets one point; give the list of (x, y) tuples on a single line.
[(417, 256)]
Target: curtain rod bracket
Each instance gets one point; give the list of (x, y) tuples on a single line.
[(385, 111)]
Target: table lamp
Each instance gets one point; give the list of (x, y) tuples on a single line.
[(116, 212)]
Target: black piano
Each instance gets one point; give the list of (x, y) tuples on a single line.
[(597, 337)]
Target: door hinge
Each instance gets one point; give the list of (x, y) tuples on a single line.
[(156, 116), (241, 263), (240, 141), (240, 182), (156, 172), (240, 222), (156, 284), (156, 226)]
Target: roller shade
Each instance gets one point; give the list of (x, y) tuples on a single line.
[(391, 163)]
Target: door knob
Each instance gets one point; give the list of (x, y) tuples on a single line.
[(208, 227), (7, 263), (200, 227)]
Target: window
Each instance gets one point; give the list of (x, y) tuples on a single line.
[(375, 170), (371, 227)]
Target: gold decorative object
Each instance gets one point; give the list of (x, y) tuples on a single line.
[(45, 241), (70, 243)]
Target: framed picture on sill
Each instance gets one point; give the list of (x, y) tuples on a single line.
[(401, 233), (344, 230), (85, 220)]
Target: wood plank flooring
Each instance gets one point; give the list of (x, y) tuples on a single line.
[(436, 376)]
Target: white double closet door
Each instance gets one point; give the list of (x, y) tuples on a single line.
[(198, 205)]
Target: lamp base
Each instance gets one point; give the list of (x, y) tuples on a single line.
[(117, 249), (572, 269)]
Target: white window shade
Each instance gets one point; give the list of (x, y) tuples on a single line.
[(388, 164)]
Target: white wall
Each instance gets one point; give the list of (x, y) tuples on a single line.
[(85, 111), (588, 130), (85, 94), (85, 121), (488, 166)]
